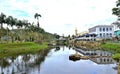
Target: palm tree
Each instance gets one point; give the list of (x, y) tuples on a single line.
[(8, 20), (115, 11), (11, 22), (18, 24), (36, 16), (2, 19), (25, 23)]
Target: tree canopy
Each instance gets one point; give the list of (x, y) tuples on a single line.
[(25, 31), (36, 16), (116, 11)]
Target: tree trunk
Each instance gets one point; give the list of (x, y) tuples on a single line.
[(1, 25), (12, 35), (38, 24), (7, 35)]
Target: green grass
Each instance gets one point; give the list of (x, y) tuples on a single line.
[(111, 47), (116, 56), (114, 48), (12, 49)]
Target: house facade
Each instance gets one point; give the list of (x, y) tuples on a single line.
[(102, 31)]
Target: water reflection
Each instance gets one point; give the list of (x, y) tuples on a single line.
[(54, 61), (57, 48), (3, 64), (22, 64), (103, 60)]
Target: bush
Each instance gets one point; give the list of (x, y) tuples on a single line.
[(103, 41), (116, 56)]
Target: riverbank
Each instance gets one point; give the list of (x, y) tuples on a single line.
[(87, 45), (13, 49), (112, 47)]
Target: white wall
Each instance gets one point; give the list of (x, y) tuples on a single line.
[(104, 32)]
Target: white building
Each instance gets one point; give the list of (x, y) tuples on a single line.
[(102, 31)]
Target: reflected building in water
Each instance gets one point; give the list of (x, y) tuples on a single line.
[(103, 57), (103, 60), (89, 52), (103, 53)]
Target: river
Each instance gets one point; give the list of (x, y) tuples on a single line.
[(56, 61)]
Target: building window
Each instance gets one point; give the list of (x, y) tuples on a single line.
[(110, 34), (100, 29), (106, 29), (103, 29), (107, 35), (103, 34), (100, 35), (110, 29)]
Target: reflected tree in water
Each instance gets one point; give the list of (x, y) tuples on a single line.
[(22, 64), (3, 64), (57, 49)]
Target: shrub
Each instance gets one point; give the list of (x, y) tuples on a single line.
[(116, 56)]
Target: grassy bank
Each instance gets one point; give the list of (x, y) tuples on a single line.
[(115, 48), (12, 49), (112, 47)]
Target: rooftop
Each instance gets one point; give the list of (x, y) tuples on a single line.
[(102, 26)]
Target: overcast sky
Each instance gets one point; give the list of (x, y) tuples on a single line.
[(62, 16)]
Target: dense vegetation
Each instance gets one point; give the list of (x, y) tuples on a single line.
[(22, 30), (21, 36), (111, 47), (116, 11), (114, 48)]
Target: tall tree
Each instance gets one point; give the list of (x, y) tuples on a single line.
[(36, 16), (116, 11), (8, 22), (25, 23), (19, 24), (2, 19), (13, 22)]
